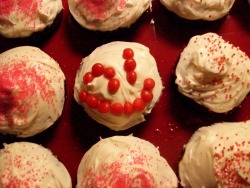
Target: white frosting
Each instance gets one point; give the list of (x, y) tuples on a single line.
[(21, 19), (213, 72), (25, 164), (217, 156), (124, 161), (110, 55), (107, 15), (199, 9), (31, 91)]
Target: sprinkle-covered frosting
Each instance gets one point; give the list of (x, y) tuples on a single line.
[(124, 161), (21, 18), (107, 15), (213, 72), (199, 9), (217, 156), (112, 87), (31, 91), (25, 164)]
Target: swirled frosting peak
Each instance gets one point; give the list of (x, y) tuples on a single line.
[(107, 15), (217, 156), (124, 161), (213, 72)]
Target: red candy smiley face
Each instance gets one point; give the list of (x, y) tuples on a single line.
[(105, 106)]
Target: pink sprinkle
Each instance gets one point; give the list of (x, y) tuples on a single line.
[(18, 84)]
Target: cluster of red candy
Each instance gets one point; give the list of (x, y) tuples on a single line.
[(104, 106)]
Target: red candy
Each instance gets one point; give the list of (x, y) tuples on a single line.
[(113, 85), (104, 106), (92, 101), (138, 104), (83, 96), (97, 69), (116, 109), (109, 72), (128, 53), (128, 108), (88, 77), (149, 84), (146, 95), (131, 77), (129, 65)]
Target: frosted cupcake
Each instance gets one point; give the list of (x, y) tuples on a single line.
[(124, 161), (25, 164), (199, 10), (217, 156), (117, 84), (23, 18), (32, 91), (107, 15), (213, 73)]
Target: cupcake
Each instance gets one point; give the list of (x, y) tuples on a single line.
[(117, 84), (213, 73), (31, 91), (19, 19), (217, 156), (25, 164), (124, 161), (107, 15), (199, 10)]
